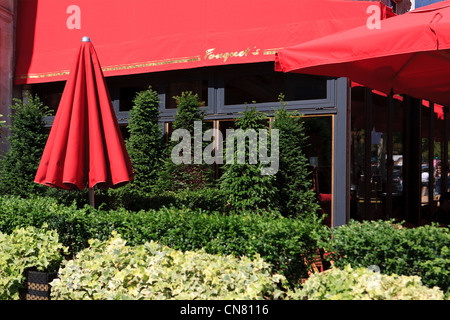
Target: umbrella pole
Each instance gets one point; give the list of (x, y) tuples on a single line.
[(91, 197)]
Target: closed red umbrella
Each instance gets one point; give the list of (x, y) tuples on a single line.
[(409, 53), (85, 147)]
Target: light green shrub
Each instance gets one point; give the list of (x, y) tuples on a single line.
[(364, 284), (113, 270), (24, 249)]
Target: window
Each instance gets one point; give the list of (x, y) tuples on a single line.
[(225, 90), (259, 84), (127, 95), (50, 94), (175, 88), (266, 87)]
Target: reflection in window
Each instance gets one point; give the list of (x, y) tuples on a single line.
[(267, 87), (124, 131), (369, 172), (318, 151), (127, 95), (50, 94), (199, 87)]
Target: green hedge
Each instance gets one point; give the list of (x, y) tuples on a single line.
[(423, 251), (282, 242), (208, 198)]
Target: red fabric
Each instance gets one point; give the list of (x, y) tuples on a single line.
[(410, 53), (85, 145), (140, 36), (325, 197)]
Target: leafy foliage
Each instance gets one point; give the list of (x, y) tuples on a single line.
[(2, 125), (112, 270), (364, 284), (208, 199), (27, 141), (293, 181), (422, 251), (285, 243), (23, 249)]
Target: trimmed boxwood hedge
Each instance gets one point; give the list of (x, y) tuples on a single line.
[(283, 242), (422, 251)]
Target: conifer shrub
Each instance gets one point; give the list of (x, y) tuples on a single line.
[(190, 175), (246, 188), (26, 144), (145, 144), (295, 194)]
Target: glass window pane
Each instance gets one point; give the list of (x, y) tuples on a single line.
[(318, 151), (425, 174), (241, 89), (369, 183), (50, 94), (175, 88), (127, 95)]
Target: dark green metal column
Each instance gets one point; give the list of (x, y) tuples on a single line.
[(412, 160)]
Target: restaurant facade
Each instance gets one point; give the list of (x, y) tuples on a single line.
[(225, 53)]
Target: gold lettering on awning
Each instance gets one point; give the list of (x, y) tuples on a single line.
[(212, 54)]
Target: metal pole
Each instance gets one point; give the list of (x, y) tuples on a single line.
[(431, 159), (92, 197), (367, 153), (389, 158), (445, 166)]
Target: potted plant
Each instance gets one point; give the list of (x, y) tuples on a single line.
[(29, 260)]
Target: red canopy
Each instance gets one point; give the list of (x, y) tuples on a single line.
[(409, 54), (85, 145), (140, 36)]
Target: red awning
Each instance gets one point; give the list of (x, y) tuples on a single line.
[(409, 54), (138, 36)]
